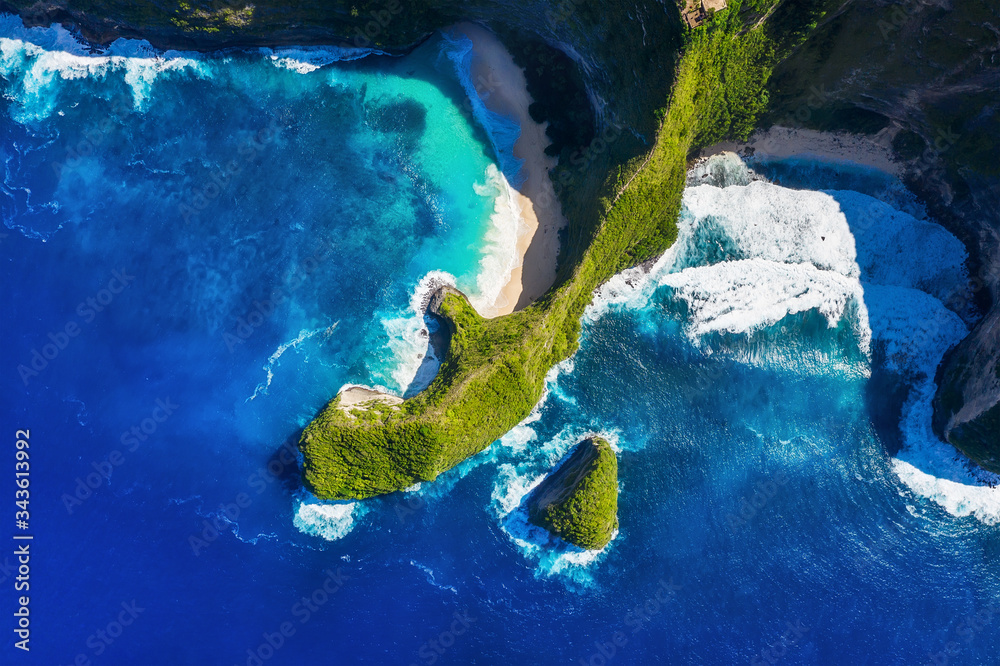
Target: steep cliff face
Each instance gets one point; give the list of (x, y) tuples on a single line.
[(967, 409), (621, 54), (925, 76)]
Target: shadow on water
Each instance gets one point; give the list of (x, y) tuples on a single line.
[(437, 347), (885, 394), (283, 464)]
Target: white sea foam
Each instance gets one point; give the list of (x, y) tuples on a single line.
[(633, 288), (521, 435), (36, 56), (917, 330), (412, 364), (747, 295), (748, 254), (431, 578), (499, 252), (959, 498), (765, 221), (513, 484), (758, 252), (274, 359), (553, 556), (895, 248), (908, 267), (306, 59), (914, 328), (329, 520), (721, 170)]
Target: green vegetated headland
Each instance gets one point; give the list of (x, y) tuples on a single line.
[(493, 373), (579, 501)]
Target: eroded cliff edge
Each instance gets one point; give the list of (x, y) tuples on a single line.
[(924, 77), (926, 73)]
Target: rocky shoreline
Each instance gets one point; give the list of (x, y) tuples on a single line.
[(967, 406), (338, 29), (942, 138)]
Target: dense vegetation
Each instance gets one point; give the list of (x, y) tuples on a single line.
[(851, 76), (494, 371), (621, 192), (579, 501)]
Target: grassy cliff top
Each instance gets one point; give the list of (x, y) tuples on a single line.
[(621, 194), (494, 371)]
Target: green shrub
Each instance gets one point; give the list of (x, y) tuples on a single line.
[(494, 371)]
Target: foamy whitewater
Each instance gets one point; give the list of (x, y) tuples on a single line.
[(749, 255), (281, 217), (38, 56), (773, 252)]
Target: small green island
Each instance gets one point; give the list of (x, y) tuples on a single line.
[(578, 502)]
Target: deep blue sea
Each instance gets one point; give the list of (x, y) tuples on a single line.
[(199, 251)]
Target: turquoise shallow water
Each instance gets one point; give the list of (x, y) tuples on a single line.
[(266, 219)]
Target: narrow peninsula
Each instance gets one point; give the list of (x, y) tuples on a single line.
[(494, 371)]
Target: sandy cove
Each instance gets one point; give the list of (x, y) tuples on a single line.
[(781, 142), (503, 89)]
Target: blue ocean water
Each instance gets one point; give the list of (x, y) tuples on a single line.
[(226, 240)]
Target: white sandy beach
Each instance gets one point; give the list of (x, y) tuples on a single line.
[(353, 395), (780, 142), (502, 87)]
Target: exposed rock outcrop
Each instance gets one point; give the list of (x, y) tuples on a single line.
[(967, 408), (924, 76)]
